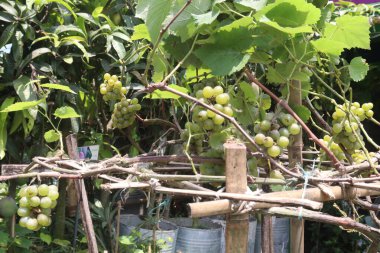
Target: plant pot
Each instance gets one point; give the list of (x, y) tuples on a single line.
[(198, 240), (280, 229), (167, 232), (251, 232)]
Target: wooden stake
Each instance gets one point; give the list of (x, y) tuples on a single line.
[(295, 158), (81, 194), (236, 182), (266, 234)]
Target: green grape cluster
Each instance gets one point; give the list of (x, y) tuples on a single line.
[(35, 205), (124, 113), (3, 190), (359, 156), (345, 127), (218, 99), (112, 89), (333, 146), (272, 133)]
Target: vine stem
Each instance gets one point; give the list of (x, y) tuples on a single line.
[(337, 164)]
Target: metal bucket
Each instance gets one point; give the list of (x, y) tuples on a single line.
[(198, 240), (280, 228), (168, 231), (251, 232)]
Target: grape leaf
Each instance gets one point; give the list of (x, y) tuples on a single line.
[(253, 4), (358, 69), (227, 53), (328, 46), (154, 13), (66, 112), (46, 238), (250, 94), (353, 31), (141, 32), (51, 136), (302, 111), (217, 140), (206, 18)]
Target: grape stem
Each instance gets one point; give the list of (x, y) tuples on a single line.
[(337, 164)]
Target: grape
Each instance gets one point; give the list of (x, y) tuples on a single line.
[(259, 138), (347, 127), (219, 107), (284, 132), (274, 151), (360, 111), (275, 134), (283, 141), (31, 191), (265, 101), (53, 195), (356, 104), (124, 113), (268, 142), (228, 111), (269, 116), (34, 201), (369, 113), (208, 124), (222, 99), (32, 224), (218, 120), (43, 190), (352, 138), (337, 128), (367, 106), (123, 90), (208, 92), (53, 204), (218, 90), (199, 94), (210, 114), (265, 125), (23, 221), (23, 212), (202, 115), (46, 202), (117, 85), (22, 192), (294, 129), (276, 174), (46, 211), (24, 202), (53, 188), (103, 90), (43, 220), (286, 119), (106, 76)]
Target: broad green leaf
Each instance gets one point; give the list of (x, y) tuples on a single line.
[(159, 64), (154, 13), (217, 140), (250, 93), (28, 122), (66, 112), (26, 91), (159, 94), (6, 17), (7, 34), (23, 105), (290, 13), (46, 238), (328, 46), (358, 69), (206, 18), (95, 13), (184, 25), (17, 121), (125, 240), (68, 59), (253, 4), (122, 36), (302, 111), (57, 87), (51, 136), (141, 32), (352, 31), (3, 125), (23, 242), (4, 238), (9, 9), (227, 54), (69, 28)]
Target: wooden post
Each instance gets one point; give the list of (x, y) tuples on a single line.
[(81, 194), (266, 234), (295, 158), (236, 182)]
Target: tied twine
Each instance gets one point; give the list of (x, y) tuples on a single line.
[(165, 203), (306, 176)]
